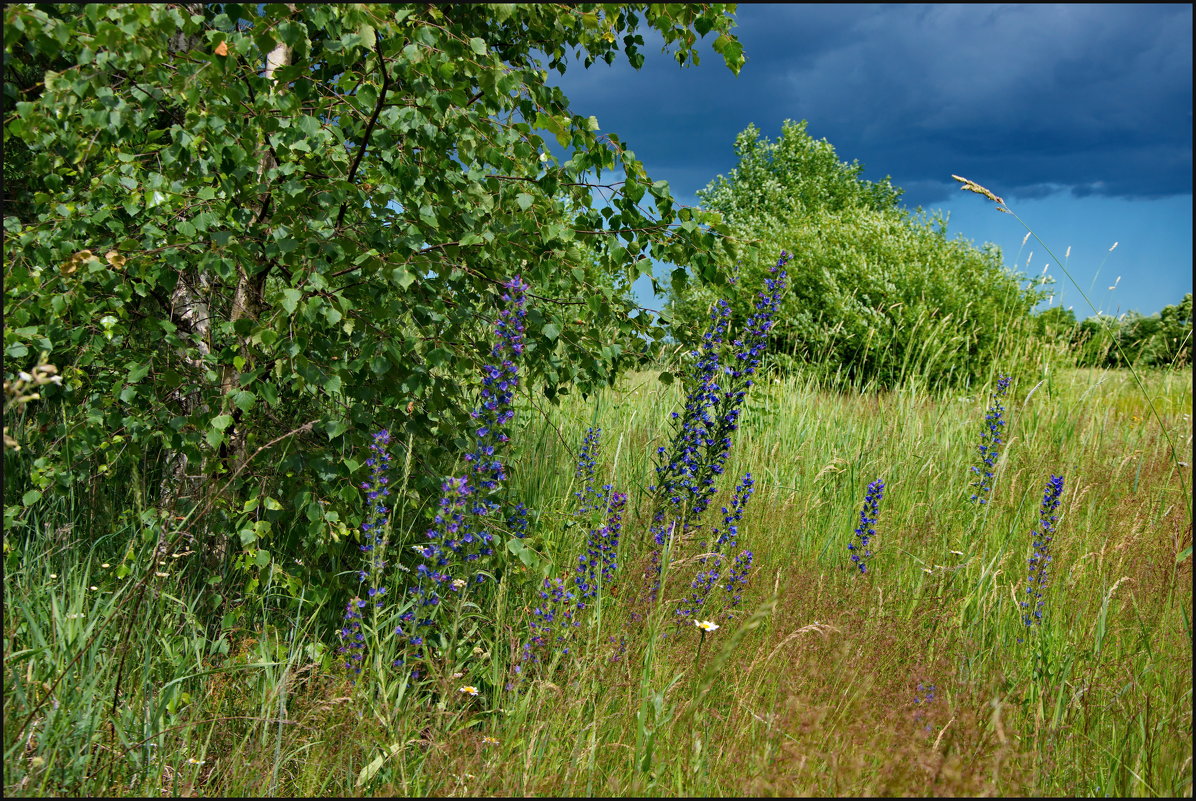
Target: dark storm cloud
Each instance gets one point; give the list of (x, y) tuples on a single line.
[(1094, 99)]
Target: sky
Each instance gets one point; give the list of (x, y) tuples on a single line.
[(1079, 116)]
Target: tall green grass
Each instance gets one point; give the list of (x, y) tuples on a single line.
[(126, 690)]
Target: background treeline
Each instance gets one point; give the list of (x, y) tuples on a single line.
[(883, 296), (1163, 339)]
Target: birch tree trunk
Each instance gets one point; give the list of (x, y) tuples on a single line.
[(189, 304)]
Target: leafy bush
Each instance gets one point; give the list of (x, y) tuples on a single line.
[(880, 296), (250, 236), (1158, 340)]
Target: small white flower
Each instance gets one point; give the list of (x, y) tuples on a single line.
[(94, 588), (458, 675), (706, 625), (105, 565), (468, 689), (458, 584)]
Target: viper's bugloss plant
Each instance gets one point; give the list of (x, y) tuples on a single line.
[(565, 600), (722, 541), (677, 475), (701, 442), (553, 618), (990, 440), (460, 537), (865, 531), (373, 530), (737, 579), (589, 498), (1041, 559), (924, 698), (600, 561), (727, 538), (517, 520)]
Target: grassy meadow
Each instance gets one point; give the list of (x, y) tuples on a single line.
[(916, 678)]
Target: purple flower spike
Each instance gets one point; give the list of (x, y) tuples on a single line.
[(701, 442), (1041, 560), (990, 439), (865, 531), (373, 529), (461, 535)]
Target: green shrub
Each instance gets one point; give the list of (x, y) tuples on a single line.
[(1158, 340), (879, 295)]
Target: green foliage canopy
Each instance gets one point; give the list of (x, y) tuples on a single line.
[(241, 219), (878, 295), (1156, 340)]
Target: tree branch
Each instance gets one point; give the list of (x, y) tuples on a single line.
[(369, 127)]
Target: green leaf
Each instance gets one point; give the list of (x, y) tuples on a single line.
[(439, 356), (523, 553), (262, 557), (551, 331), (273, 505), (31, 497), (368, 36), (221, 422), (368, 772), (137, 372), (524, 200), (290, 299), (477, 46), (334, 428), (402, 276)]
